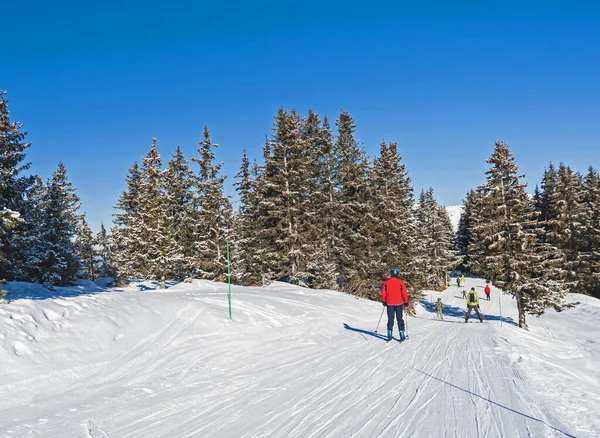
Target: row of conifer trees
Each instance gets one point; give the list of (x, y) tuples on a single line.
[(315, 210)]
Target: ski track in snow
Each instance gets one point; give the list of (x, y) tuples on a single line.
[(169, 363)]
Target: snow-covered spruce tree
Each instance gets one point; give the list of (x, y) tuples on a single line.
[(392, 206), (316, 229), (247, 265), (435, 239), (542, 201), (13, 188), (56, 261), (463, 234), (505, 244), (179, 185), (215, 215), (282, 186), (104, 248), (85, 243), (128, 260), (351, 177), (151, 223), (566, 228), (591, 200)]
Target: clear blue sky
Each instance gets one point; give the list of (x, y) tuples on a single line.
[(95, 81)]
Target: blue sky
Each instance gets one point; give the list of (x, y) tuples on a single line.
[(93, 83)]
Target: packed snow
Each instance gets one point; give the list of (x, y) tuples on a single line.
[(92, 361)]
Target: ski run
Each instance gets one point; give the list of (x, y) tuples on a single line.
[(91, 361)]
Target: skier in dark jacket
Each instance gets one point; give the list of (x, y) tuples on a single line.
[(473, 304), (394, 296)]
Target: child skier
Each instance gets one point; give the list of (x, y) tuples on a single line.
[(487, 291), (394, 296), (472, 304), (464, 294), (439, 307)]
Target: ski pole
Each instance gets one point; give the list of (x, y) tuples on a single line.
[(406, 320), (379, 320)]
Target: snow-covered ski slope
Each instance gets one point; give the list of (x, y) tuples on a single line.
[(293, 362)]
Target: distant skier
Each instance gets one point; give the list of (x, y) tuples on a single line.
[(439, 307), (464, 294), (458, 281), (394, 296), (462, 280), (473, 304), (487, 291)]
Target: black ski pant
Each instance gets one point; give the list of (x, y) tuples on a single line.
[(470, 309), (395, 310)]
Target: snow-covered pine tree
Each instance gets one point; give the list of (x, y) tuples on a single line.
[(463, 234), (591, 200), (13, 188), (392, 206), (351, 177), (505, 247), (85, 243), (316, 229), (56, 261), (281, 187), (542, 201), (435, 239), (215, 215), (247, 266), (179, 184), (126, 244), (566, 227), (150, 224), (104, 247)]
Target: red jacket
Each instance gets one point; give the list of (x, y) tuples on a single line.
[(393, 292), (487, 290)]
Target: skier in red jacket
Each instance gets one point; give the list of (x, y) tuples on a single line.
[(394, 296)]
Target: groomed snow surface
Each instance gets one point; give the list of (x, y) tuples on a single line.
[(89, 361)]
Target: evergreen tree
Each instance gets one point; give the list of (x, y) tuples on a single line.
[(281, 187), (316, 229), (126, 243), (85, 244), (505, 247), (354, 247), (591, 201), (392, 207), (13, 189), (151, 223), (435, 240), (215, 212), (179, 184), (247, 266), (104, 245), (56, 261), (463, 234), (566, 218)]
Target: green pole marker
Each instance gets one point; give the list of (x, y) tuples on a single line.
[(228, 278), (500, 302)]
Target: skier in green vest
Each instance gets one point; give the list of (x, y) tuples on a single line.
[(473, 304)]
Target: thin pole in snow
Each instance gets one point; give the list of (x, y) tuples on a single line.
[(500, 302), (228, 278)]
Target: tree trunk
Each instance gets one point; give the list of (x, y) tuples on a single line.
[(521, 309)]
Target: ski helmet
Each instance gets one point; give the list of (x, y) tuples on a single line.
[(395, 272), (439, 299)]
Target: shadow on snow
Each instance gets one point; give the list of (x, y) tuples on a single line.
[(365, 332), (459, 312)]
